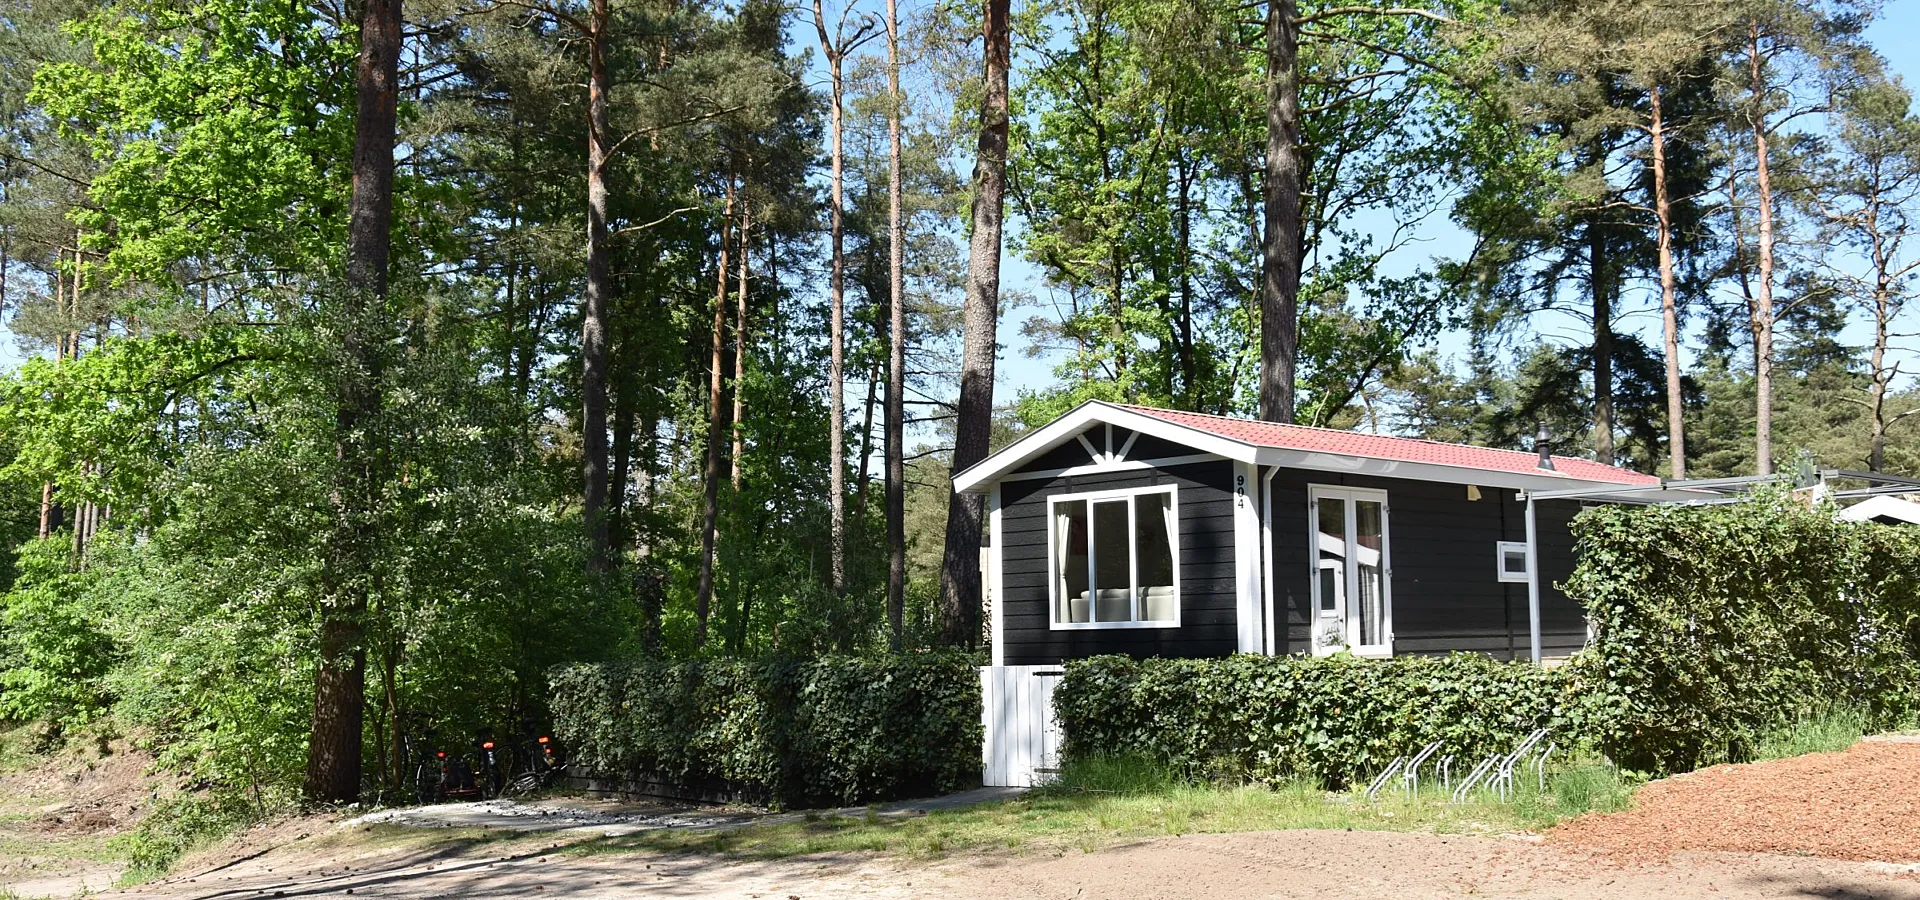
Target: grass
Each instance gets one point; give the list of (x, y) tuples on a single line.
[(16, 752), (1103, 802), (1819, 731)]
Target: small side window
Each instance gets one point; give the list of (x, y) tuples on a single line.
[(1512, 560)]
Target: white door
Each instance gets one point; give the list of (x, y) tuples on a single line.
[(1352, 574)]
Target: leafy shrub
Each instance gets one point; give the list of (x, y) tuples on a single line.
[(1716, 626), (179, 824), (55, 657), (1333, 719), (833, 729)]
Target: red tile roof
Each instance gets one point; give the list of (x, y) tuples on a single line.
[(1377, 446)]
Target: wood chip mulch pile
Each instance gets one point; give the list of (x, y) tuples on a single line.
[(1858, 804)]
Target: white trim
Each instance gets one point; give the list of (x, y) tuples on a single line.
[(1343, 614), (1500, 571), (995, 553), (1127, 446), (1415, 471), (1533, 585), (1034, 443), (1092, 454), (1054, 603), (1118, 466), (1246, 558), (1272, 616)]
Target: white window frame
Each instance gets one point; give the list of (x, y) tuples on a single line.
[(1054, 603), (1501, 549), (1349, 624)]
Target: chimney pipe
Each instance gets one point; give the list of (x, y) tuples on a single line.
[(1542, 444)]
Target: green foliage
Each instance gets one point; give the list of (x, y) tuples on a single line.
[(54, 657), (177, 825), (1817, 731), (1590, 785), (207, 144), (832, 729), (1717, 625), (1331, 719), (1127, 773)]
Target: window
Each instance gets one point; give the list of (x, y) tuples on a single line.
[(1114, 559), (1512, 559)]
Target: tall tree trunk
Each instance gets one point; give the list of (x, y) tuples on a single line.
[(1669, 295), (649, 581), (49, 512), (1763, 296), (1884, 309), (1189, 373), (593, 314), (339, 696), (960, 559), (1600, 283), (836, 328), (1281, 242), (1882, 379), (710, 503), (896, 349), (740, 347), (863, 483)]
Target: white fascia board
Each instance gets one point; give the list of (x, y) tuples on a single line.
[(1032, 444), (1415, 471), (1876, 507)]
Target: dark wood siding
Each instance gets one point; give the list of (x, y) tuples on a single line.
[(1206, 566), (1446, 591)]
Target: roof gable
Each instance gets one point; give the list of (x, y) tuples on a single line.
[(1299, 446)]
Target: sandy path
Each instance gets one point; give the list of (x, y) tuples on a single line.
[(1293, 864)]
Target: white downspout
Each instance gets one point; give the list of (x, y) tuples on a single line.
[(1266, 559), (1533, 583)]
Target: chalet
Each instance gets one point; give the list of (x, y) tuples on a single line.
[(1151, 532)]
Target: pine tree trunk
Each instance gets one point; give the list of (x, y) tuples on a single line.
[(1763, 296), (863, 483), (836, 327), (1281, 241), (1602, 299), (339, 696), (649, 581), (1669, 295), (1189, 373), (896, 349), (1883, 311), (960, 559), (740, 348), (710, 503), (593, 314)]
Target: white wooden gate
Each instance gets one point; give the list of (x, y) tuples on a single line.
[(1022, 736)]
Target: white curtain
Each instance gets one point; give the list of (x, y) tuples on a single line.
[(1173, 534), (1062, 549)]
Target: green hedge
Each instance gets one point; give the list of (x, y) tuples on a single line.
[(1718, 624), (795, 732), (1334, 719)]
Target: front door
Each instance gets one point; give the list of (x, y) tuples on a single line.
[(1352, 578)]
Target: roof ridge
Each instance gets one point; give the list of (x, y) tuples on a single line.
[(1348, 431)]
